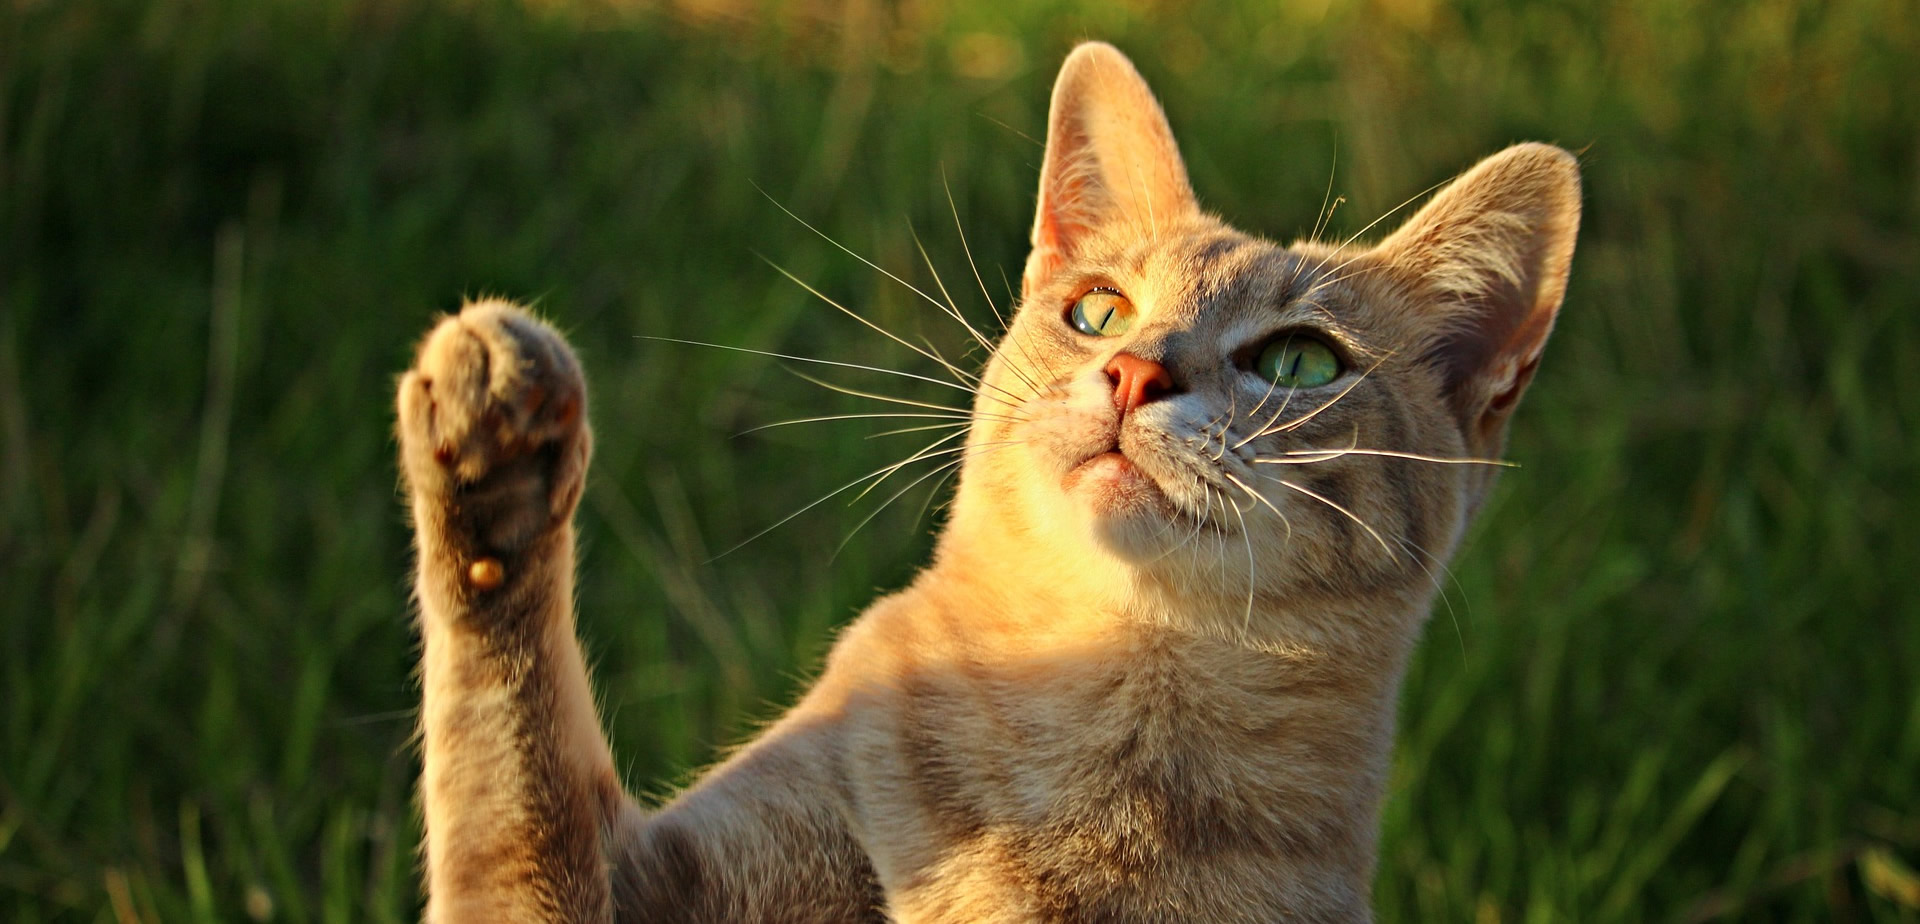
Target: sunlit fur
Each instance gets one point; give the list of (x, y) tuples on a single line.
[(1151, 672)]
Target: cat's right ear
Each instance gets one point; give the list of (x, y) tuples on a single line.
[(1111, 161), (1491, 254)]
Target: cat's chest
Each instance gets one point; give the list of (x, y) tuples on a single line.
[(1146, 741), (1147, 744), (1090, 784)]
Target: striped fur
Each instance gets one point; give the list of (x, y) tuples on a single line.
[(1151, 672)]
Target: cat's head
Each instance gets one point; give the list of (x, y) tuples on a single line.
[(1192, 404)]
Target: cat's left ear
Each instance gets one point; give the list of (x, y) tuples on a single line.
[(1492, 252), (1111, 163)]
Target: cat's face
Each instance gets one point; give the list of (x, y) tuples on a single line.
[(1180, 400), (1275, 370)]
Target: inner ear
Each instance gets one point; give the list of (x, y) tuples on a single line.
[(1487, 261), (1111, 164)]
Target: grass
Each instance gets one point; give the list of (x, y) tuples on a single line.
[(1675, 674)]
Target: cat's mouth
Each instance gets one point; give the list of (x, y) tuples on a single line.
[(1114, 482), (1109, 460)]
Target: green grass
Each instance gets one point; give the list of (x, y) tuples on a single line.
[(1675, 673)]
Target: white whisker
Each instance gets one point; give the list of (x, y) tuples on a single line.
[(900, 430), (951, 308), (967, 249), (1349, 514), (955, 313), (952, 369), (881, 472), (890, 399), (1310, 456), (848, 251), (1369, 226), (809, 359), (926, 452), (962, 418), (948, 467), (1246, 623)]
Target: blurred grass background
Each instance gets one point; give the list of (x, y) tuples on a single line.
[(1675, 677)]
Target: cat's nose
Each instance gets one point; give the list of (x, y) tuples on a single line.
[(1137, 381)]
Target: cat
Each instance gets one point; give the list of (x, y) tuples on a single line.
[(1152, 669)]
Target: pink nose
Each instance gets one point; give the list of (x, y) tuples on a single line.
[(1137, 381)]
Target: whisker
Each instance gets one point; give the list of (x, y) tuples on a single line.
[(1199, 521), (845, 249), (1383, 217), (810, 359), (1011, 400), (1012, 299), (1032, 140), (1328, 203), (1256, 495), (876, 476), (928, 503), (1246, 622), (896, 432), (948, 467), (1343, 277), (1335, 276), (1325, 214), (928, 453), (967, 248), (1349, 514), (954, 208), (1425, 559), (954, 370), (1310, 456), (1278, 413), (950, 307), (876, 473), (1327, 208), (944, 466), (1233, 399), (832, 417), (952, 310), (1007, 284), (875, 266), (891, 399)]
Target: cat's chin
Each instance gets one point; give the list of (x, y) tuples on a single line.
[(1128, 511), (1111, 481)]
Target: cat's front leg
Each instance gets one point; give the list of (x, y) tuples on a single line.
[(517, 782)]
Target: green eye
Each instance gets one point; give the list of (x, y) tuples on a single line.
[(1296, 361), (1102, 313)]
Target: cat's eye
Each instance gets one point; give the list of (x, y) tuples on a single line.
[(1297, 361), (1102, 313)]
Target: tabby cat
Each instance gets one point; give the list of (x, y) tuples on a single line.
[(1151, 672)]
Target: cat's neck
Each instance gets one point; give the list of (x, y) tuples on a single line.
[(1025, 599)]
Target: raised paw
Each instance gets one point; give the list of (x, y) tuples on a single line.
[(493, 433)]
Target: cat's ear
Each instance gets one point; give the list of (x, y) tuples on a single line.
[(1491, 252), (1111, 160)]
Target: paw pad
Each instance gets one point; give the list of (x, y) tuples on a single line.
[(486, 573)]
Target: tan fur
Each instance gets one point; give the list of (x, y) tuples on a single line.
[(1150, 674)]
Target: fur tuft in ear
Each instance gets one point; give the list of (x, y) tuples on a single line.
[(1111, 162), (1492, 251)]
